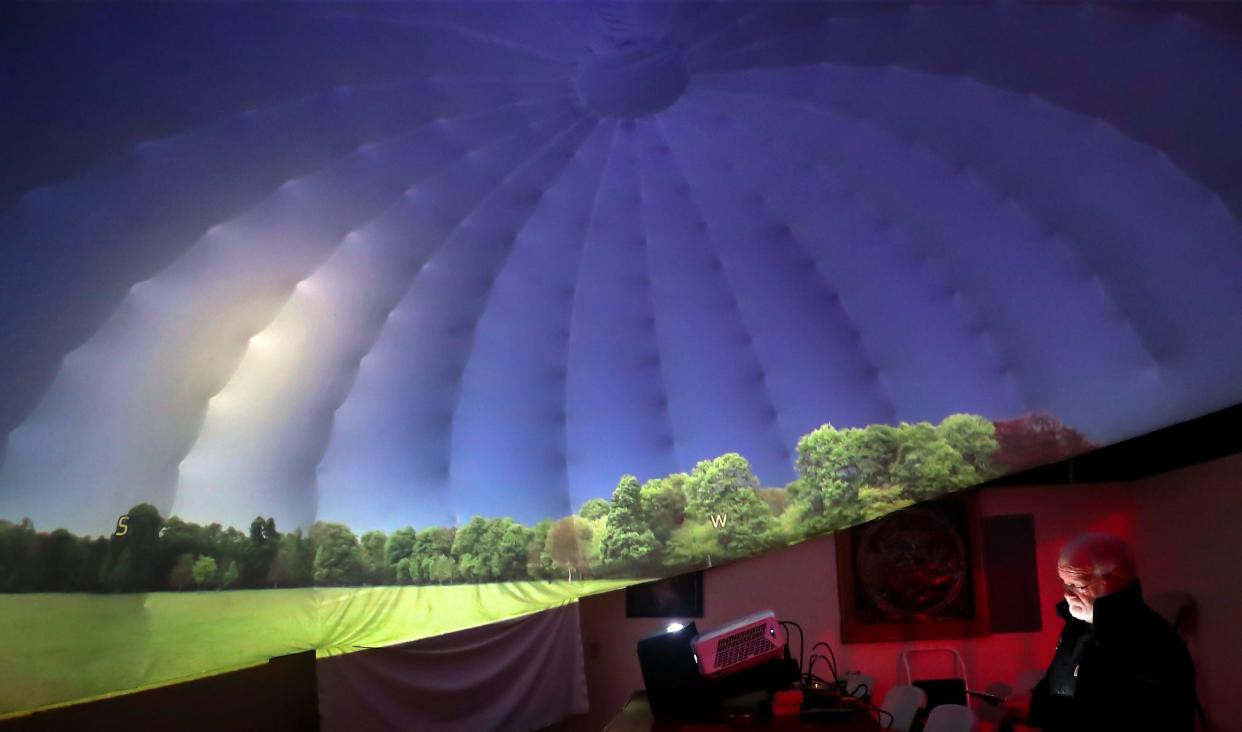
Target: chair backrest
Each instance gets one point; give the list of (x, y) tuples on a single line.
[(950, 718), (942, 690), (903, 662), (904, 703)]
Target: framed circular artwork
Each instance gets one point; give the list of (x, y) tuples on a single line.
[(916, 573)]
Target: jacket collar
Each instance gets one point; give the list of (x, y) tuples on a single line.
[(1110, 611)]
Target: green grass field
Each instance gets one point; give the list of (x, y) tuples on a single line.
[(68, 647)]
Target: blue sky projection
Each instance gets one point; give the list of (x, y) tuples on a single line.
[(403, 264)]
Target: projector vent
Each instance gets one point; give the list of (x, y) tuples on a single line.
[(737, 648)]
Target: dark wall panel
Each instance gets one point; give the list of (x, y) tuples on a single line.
[(1013, 585)]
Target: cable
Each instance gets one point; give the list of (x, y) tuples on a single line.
[(878, 712), (801, 642), (810, 671), (855, 692), (831, 659)]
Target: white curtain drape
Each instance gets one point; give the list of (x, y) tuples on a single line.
[(515, 676)]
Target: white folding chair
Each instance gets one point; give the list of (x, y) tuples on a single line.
[(903, 703), (950, 718), (958, 669)]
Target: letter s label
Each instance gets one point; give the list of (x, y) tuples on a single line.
[(122, 525)]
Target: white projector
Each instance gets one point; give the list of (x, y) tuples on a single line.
[(747, 642)]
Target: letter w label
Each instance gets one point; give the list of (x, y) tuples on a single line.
[(718, 519)]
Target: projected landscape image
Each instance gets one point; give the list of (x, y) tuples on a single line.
[(226, 596), (331, 326), (675, 522)]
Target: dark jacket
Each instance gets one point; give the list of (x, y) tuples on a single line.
[(1133, 672)]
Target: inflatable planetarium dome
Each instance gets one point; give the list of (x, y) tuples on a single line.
[(337, 325)]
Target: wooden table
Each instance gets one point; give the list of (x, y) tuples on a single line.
[(636, 717)]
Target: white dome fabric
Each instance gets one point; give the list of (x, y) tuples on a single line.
[(397, 266)]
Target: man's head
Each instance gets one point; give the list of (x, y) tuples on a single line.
[(1092, 566)]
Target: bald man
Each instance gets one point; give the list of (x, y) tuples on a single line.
[(1118, 664)]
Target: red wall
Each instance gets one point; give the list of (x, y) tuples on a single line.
[(1171, 519)]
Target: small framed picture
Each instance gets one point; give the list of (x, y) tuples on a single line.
[(680, 596)]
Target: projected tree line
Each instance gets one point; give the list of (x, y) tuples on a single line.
[(717, 512)]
